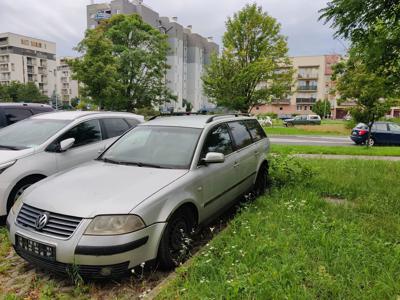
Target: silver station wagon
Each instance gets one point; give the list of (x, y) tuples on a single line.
[(141, 199)]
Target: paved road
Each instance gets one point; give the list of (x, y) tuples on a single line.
[(311, 140), (361, 157)]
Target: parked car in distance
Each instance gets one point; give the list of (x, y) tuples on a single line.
[(44, 144), (11, 113), (265, 121), (141, 199), (284, 117), (303, 120), (382, 133)]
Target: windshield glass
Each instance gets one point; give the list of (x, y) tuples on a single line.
[(29, 133), (155, 146)]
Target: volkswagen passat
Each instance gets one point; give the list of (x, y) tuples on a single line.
[(44, 144), (142, 197)]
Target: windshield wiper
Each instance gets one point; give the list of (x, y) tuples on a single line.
[(107, 160), (10, 147), (141, 164)]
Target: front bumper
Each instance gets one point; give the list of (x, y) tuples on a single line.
[(92, 256)]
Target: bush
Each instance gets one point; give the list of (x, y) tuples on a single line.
[(147, 112), (270, 114), (284, 170)]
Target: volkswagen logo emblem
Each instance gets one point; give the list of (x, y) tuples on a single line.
[(41, 221)]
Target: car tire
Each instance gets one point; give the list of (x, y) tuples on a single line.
[(371, 142), (19, 188), (260, 185), (175, 242)]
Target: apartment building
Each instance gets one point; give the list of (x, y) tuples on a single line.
[(27, 59), (66, 87), (312, 82), (189, 52)]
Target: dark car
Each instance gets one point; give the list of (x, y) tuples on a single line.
[(303, 120), (11, 113), (382, 133)]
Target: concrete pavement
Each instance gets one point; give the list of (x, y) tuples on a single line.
[(311, 140)]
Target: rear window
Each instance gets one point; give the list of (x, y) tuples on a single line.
[(14, 115), (255, 129), (240, 134), (361, 126), (132, 122)]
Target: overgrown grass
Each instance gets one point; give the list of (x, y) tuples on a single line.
[(337, 150), (330, 129), (5, 248), (295, 243)]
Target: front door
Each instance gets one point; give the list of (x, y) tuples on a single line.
[(394, 131)]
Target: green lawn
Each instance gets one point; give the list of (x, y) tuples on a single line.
[(356, 150), (331, 128), (299, 243)]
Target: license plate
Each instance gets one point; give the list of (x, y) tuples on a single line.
[(35, 248)]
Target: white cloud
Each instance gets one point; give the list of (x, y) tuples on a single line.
[(64, 21)]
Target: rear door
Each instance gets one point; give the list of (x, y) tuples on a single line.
[(381, 133), (245, 158), (394, 131), (88, 145)]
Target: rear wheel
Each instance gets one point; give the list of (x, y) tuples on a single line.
[(260, 185), (175, 243), (19, 188), (371, 142)]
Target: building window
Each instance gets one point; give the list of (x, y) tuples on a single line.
[(280, 108), (298, 107)]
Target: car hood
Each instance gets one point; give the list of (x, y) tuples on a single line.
[(98, 188), (10, 155)]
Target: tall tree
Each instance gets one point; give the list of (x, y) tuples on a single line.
[(373, 27), (21, 92), (254, 66), (322, 108), (370, 91), (124, 64)]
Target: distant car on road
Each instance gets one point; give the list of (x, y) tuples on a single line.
[(11, 113), (44, 144), (285, 117), (303, 120), (382, 133)]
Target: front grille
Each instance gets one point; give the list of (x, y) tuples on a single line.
[(59, 226), (92, 272)]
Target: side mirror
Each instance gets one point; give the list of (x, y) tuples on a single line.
[(66, 144), (213, 158)]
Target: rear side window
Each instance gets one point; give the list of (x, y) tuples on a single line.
[(132, 122), (114, 127), (380, 127), (14, 115), (394, 127), (240, 134), (256, 131), (218, 140)]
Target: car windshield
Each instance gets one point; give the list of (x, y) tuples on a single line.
[(155, 146), (29, 133)]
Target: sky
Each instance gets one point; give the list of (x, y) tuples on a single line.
[(64, 21)]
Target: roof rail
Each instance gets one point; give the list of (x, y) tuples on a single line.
[(209, 120), (175, 114)]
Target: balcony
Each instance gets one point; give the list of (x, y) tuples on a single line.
[(32, 78), (30, 62), (306, 100), (31, 70), (4, 59), (280, 102), (42, 70), (307, 76), (4, 68), (307, 88)]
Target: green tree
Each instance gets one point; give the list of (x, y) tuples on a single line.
[(322, 108), (124, 64), (370, 91), (22, 92), (373, 27), (254, 67)]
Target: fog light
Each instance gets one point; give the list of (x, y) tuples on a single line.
[(105, 271)]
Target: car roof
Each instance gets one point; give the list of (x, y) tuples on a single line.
[(12, 104), (194, 121), (74, 115)]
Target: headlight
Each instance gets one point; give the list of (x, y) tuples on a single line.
[(5, 166), (112, 225), (17, 206)]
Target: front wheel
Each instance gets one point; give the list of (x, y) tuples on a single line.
[(19, 189), (175, 243)]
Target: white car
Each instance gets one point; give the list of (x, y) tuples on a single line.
[(44, 144)]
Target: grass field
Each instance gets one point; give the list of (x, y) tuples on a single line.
[(356, 150), (332, 128), (333, 236)]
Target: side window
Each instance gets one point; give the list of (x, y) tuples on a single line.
[(114, 127), (218, 140), (394, 127), (14, 115), (381, 127), (256, 131), (132, 122), (84, 133), (240, 134)]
